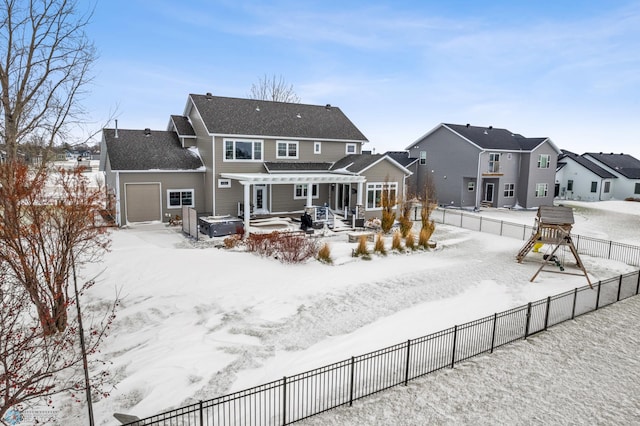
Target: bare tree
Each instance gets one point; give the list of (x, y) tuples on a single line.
[(273, 88), (45, 58)]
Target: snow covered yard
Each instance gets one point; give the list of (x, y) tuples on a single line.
[(198, 322)]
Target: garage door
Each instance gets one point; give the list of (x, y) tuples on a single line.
[(142, 202)]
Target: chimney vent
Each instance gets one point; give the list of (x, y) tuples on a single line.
[(209, 96), (116, 135), (467, 125), (327, 106), (147, 132)]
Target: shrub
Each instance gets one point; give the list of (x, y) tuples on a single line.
[(396, 242), (425, 235), (362, 249), (285, 246), (263, 244), (324, 254), (232, 241), (379, 245), (388, 215), (405, 225), (410, 241)]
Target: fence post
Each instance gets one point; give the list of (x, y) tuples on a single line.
[(444, 213), (598, 296), (575, 297), (480, 230), (501, 226), (638, 284), (610, 244), (619, 288), (524, 232), (284, 400), (201, 415), (493, 333), (453, 354), (577, 241), (406, 369), (526, 328), (461, 217), (353, 372), (546, 317)]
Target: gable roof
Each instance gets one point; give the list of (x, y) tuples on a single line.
[(251, 117), (488, 138), (182, 126), (624, 164), (358, 163), (587, 164), (148, 150), (402, 157)]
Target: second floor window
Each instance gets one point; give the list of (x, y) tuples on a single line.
[(423, 158), (494, 162), (350, 148), (543, 161), (242, 150), (287, 150)]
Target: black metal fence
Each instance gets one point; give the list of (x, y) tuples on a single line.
[(595, 247), (303, 395)]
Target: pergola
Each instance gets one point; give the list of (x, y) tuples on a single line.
[(249, 179)]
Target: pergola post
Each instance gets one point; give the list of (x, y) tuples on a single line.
[(359, 194), (247, 207), (309, 195)]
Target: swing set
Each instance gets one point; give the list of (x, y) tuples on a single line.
[(553, 229)]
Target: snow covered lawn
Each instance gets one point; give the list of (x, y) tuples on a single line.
[(198, 322)]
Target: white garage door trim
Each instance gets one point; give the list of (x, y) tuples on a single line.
[(143, 202)]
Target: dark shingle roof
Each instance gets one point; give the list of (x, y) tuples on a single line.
[(589, 165), (494, 138), (159, 150), (290, 166), (624, 164), (402, 157), (183, 126), (235, 116)]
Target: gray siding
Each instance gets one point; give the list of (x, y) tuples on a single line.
[(380, 173), (167, 181), (537, 175), (204, 144), (451, 162)]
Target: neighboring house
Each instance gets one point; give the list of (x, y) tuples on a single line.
[(274, 157), (625, 167), (472, 166), (578, 178)]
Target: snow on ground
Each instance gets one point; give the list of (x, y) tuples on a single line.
[(197, 321)]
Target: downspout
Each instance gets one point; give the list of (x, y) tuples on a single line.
[(478, 183), (118, 217)]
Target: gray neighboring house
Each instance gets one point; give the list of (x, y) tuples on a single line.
[(625, 167), (578, 178), (473, 166), (223, 154)]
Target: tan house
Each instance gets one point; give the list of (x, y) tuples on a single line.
[(225, 153)]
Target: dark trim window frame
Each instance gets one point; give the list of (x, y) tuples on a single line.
[(242, 150)]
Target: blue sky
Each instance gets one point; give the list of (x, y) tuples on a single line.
[(568, 70)]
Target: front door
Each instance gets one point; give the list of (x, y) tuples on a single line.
[(488, 194), (260, 199)]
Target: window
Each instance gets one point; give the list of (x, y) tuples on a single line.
[(541, 189), (543, 161), (317, 147), (494, 162), (242, 150), (350, 148), (375, 192), (637, 189), (594, 186), (300, 191), (569, 185), (224, 183), (607, 187), (471, 186), (509, 190), (287, 150), (423, 158), (177, 198)]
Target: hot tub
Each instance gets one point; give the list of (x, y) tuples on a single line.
[(218, 226)]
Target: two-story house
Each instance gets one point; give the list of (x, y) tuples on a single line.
[(579, 178), (223, 154), (470, 166)]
